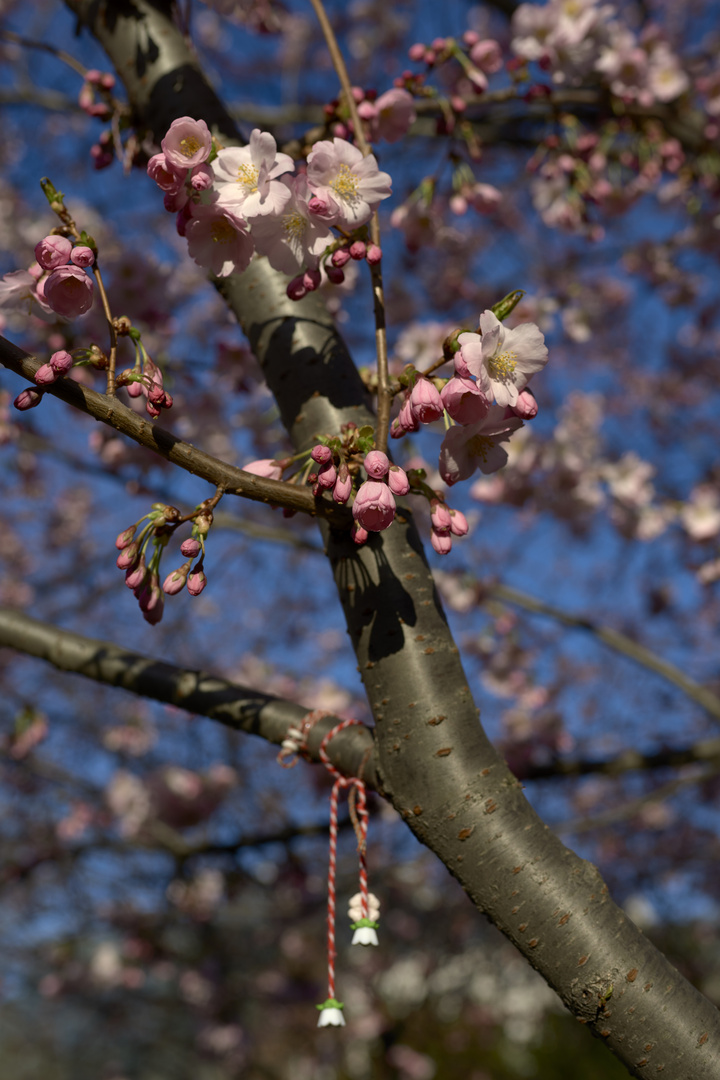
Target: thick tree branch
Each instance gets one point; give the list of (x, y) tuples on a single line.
[(237, 707), (434, 760)]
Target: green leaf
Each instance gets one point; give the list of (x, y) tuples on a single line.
[(502, 309)]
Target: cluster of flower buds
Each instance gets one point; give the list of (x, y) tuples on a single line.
[(66, 289), (446, 523), (478, 57), (330, 477), (98, 84), (142, 571), (146, 380), (231, 202), (387, 117), (374, 505), (60, 364)]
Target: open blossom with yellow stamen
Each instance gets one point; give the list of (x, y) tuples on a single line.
[(502, 360), (188, 143), (477, 446), (294, 238), (351, 185), (246, 176)]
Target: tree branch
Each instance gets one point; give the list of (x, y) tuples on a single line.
[(616, 640), (112, 412), (235, 706)]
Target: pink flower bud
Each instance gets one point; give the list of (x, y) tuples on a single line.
[(458, 523), (27, 399), (374, 254), (134, 579), (461, 368), (359, 534), (426, 402), (311, 279), (107, 80), (296, 289), (376, 464), (464, 401), (417, 52), (442, 542), (202, 178), (367, 111), (190, 548), (128, 557), (321, 454), (125, 538), (440, 516), (82, 256), (358, 250), (69, 291), (327, 475), (526, 407), (61, 362), (265, 467), (340, 258), (335, 276), (196, 583), (398, 481), (53, 251), (93, 76), (317, 206), (343, 485), (162, 172), (175, 582), (45, 375), (154, 607), (406, 417), (374, 506)]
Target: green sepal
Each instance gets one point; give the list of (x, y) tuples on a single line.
[(331, 1003), (364, 922)]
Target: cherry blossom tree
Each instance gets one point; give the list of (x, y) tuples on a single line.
[(493, 266)]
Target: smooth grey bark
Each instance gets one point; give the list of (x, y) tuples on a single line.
[(433, 759), (229, 703)]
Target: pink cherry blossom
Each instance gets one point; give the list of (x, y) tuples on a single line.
[(374, 506), (69, 291), (464, 401), (295, 237), (219, 240), (465, 449), (165, 176), (53, 251), (265, 467), (351, 185), (187, 143), (246, 178), (394, 115), (503, 360)]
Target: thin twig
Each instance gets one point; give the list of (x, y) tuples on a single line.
[(384, 394), (30, 43), (618, 641), (111, 411)]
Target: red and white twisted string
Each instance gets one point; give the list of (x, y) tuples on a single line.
[(361, 828)]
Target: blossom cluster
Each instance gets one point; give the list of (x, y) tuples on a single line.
[(142, 571), (235, 201), (576, 40), (487, 397)]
